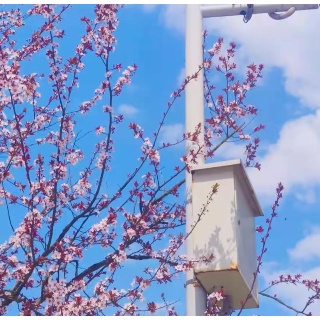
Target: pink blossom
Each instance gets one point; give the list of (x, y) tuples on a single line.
[(216, 295), (100, 130), (107, 109)]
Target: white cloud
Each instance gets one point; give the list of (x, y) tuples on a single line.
[(171, 133), (295, 296), (308, 196), (128, 110), (149, 7), (293, 160), (308, 248), (171, 15), (231, 151), (290, 45), (182, 76)]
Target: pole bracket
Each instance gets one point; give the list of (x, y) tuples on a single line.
[(247, 14), (284, 15), (194, 282)]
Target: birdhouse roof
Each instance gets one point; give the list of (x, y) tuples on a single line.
[(241, 173)]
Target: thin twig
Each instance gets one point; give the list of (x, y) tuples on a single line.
[(283, 303)]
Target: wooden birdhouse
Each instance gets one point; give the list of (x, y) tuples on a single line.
[(227, 231)]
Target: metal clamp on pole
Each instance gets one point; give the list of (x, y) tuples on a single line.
[(281, 16), (247, 14)]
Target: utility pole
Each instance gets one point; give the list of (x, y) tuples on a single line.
[(196, 296)]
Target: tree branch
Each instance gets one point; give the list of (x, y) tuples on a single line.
[(283, 303)]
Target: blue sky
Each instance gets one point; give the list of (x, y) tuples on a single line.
[(288, 103)]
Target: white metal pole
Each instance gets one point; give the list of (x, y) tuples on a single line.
[(196, 296), (237, 9)]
